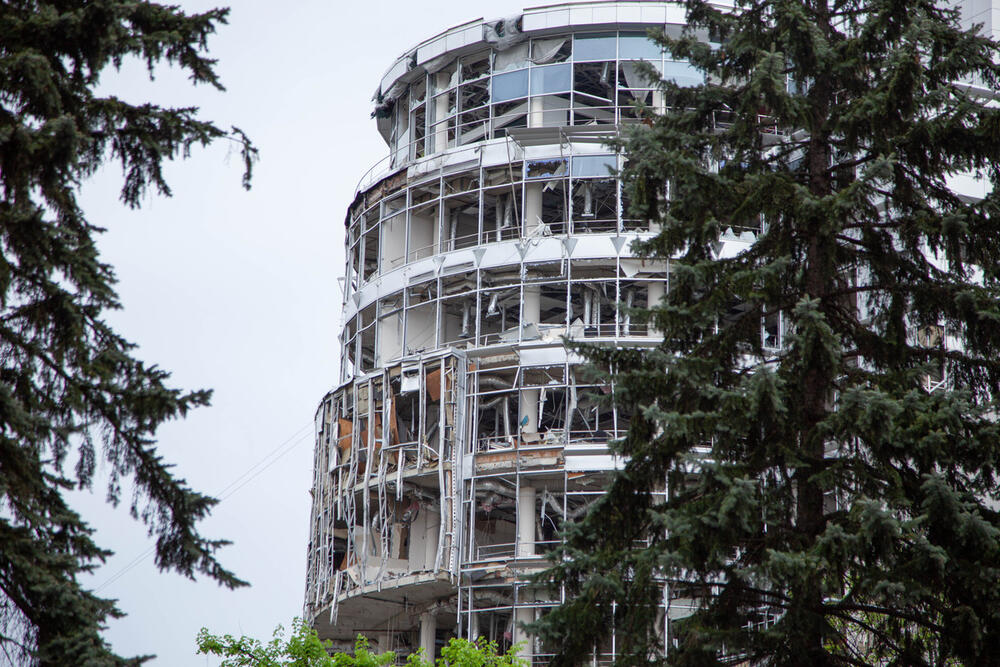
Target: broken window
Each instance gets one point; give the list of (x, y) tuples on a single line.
[(475, 66), (634, 294), (353, 275), (390, 329), (401, 131), (593, 93), (444, 78), (499, 175), (367, 338), (555, 50), (421, 317), (553, 310), (419, 123), (461, 221), (592, 416), (458, 322), (418, 92), (501, 213), (465, 182), (393, 234), (348, 366), (633, 90), (771, 331), (423, 231), (474, 99), (500, 315), (512, 58), (496, 414), (442, 123), (369, 253), (550, 110), (593, 304), (595, 205), (509, 115)]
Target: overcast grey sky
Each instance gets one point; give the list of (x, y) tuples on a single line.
[(238, 292)]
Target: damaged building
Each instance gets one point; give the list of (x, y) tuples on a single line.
[(461, 433)]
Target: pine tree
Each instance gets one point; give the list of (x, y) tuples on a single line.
[(71, 390), (832, 501)]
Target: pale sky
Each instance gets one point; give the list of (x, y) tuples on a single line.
[(238, 292)]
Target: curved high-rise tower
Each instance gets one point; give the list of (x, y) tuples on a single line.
[(461, 432)]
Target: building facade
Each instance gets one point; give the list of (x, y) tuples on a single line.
[(461, 433)]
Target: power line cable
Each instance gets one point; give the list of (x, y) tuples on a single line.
[(245, 478)]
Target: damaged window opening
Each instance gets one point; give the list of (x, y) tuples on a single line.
[(509, 115), (461, 228), (595, 205), (501, 213), (555, 50), (481, 96)]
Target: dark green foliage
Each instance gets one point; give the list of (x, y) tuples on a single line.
[(844, 509), (70, 389)]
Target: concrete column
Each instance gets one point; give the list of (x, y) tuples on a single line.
[(524, 615), (526, 517), (654, 291), (473, 626), (440, 112), (536, 112), (384, 642), (531, 306), (528, 408), (428, 631), (431, 537), (532, 208)]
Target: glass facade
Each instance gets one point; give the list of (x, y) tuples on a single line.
[(575, 79)]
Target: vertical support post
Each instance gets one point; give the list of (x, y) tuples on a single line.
[(428, 634), (536, 112), (442, 80), (532, 208), (473, 623), (432, 530), (526, 521), (531, 306), (524, 614), (528, 419)]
